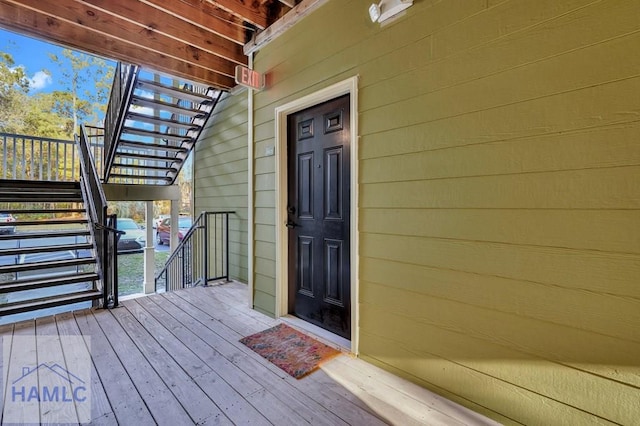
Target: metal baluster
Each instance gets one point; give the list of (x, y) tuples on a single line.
[(33, 155), (24, 160)]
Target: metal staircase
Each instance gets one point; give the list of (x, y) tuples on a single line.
[(152, 125), (47, 258), (59, 253)]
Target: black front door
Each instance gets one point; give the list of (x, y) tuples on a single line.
[(319, 211)]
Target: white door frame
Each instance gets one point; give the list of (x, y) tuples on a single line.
[(350, 87)]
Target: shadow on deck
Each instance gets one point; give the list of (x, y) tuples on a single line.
[(175, 359)]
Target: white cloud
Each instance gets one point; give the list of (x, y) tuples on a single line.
[(145, 94), (142, 110), (40, 80)]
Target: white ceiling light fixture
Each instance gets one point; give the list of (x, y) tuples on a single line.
[(380, 12)]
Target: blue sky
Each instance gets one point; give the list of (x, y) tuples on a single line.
[(33, 55)]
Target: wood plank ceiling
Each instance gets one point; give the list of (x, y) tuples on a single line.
[(199, 40)]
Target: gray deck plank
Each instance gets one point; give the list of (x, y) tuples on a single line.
[(352, 410), (207, 350), (306, 406), (50, 352), (236, 295), (162, 404), (416, 401), (192, 353), (228, 298), (279, 393), (221, 355), (126, 403), (6, 335), (23, 353), (101, 411), (176, 359), (392, 404), (273, 409), (196, 403)]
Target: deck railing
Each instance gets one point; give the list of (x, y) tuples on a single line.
[(202, 255), (35, 158), (103, 230), (45, 159), (95, 137)]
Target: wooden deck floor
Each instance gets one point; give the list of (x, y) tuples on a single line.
[(175, 359)]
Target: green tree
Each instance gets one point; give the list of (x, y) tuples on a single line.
[(14, 87), (40, 114), (42, 118), (50, 115), (87, 81)]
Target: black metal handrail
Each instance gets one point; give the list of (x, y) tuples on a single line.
[(202, 255), (95, 135), (124, 83), (103, 232)]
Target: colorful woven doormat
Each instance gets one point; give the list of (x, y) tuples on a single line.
[(292, 351)]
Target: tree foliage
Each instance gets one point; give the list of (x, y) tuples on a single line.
[(14, 87), (86, 81)]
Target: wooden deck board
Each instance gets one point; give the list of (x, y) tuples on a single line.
[(175, 358), (100, 407), (23, 353), (223, 357), (207, 344), (264, 371), (351, 410), (194, 357), (49, 351), (127, 403), (6, 331), (194, 401)]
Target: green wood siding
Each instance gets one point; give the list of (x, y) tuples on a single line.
[(499, 196), (221, 175)]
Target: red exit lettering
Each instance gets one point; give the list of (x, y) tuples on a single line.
[(249, 78)]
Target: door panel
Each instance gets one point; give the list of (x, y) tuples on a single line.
[(333, 272), (305, 185), (305, 266), (319, 214), (333, 184)]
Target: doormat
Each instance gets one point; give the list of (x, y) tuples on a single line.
[(294, 352)]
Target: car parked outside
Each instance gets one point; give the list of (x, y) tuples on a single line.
[(157, 221), (49, 273), (47, 257), (163, 232), (134, 238), (6, 218)]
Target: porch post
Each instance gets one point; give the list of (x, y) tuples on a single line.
[(149, 251), (173, 237)]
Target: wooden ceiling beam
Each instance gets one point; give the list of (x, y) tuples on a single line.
[(76, 36), (153, 23), (249, 10), (205, 16), (96, 20)]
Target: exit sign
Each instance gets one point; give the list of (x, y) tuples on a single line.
[(249, 78)]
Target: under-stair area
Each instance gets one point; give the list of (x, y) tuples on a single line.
[(47, 258), (58, 244), (151, 126)]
